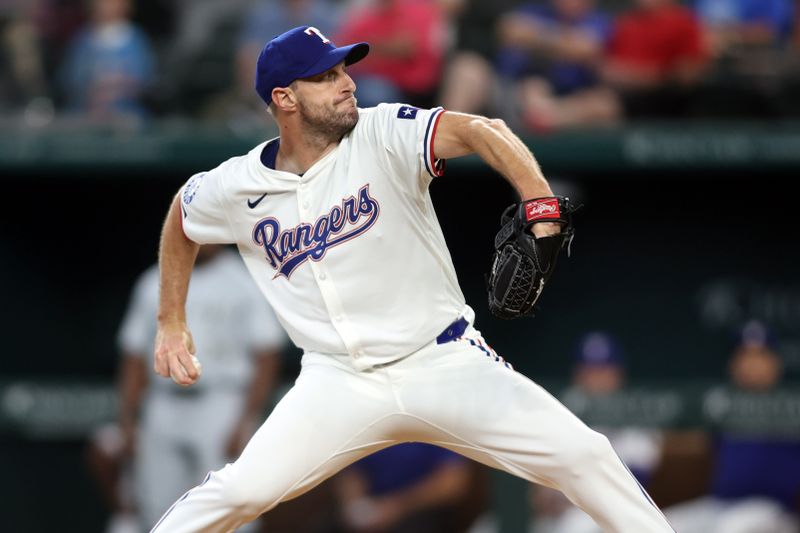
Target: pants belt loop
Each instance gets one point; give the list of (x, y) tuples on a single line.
[(453, 331)]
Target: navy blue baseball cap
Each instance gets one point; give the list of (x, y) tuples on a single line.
[(300, 53), (598, 348), (756, 333)]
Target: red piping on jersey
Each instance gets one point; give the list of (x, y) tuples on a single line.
[(439, 171)]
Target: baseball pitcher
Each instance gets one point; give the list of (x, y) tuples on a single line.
[(335, 223)]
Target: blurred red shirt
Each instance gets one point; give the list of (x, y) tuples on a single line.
[(657, 39), (418, 24)]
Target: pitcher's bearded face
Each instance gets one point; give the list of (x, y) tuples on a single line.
[(333, 120), (327, 103)]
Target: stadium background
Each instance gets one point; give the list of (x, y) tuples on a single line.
[(688, 229)]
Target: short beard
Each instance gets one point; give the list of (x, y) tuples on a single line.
[(328, 124)]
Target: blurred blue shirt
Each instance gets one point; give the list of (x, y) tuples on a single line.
[(777, 13), (106, 69), (749, 467), (402, 466), (268, 18), (565, 76)]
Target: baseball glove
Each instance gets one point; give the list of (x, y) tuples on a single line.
[(522, 263)]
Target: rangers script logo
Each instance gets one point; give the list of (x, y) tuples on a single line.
[(288, 249)]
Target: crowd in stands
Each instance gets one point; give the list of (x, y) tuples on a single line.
[(541, 65)]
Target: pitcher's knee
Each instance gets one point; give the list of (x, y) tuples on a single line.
[(585, 451), (244, 503), (246, 498)]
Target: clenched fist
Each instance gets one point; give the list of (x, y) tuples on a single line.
[(174, 354)]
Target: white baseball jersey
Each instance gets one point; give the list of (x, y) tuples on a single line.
[(228, 318), (308, 240)]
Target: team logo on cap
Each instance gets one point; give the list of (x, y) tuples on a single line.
[(288, 249), (311, 30)]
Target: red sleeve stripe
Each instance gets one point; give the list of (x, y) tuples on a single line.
[(434, 167)]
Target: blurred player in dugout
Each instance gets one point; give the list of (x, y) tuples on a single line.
[(599, 371), (173, 435), (755, 481), (414, 487)]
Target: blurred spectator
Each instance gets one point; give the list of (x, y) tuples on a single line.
[(240, 106), (599, 371), (747, 39), (553, 51), (407, 47), (756, 482), (733, 23), (22, 68), (408, 488), (108, 457), (178, 435), (469, 85), (59, 22), (796, 25), (33, 36), (655, 57), (109, 65), (547, 62), (198, 22), (474, 25), (469, 63)]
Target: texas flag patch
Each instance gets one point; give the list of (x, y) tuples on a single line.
[(407, 111)]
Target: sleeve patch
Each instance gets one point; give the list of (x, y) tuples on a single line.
[(191, 188), (407, 112)]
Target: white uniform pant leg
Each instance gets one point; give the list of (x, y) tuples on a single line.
[(477, 406), (332, 417)]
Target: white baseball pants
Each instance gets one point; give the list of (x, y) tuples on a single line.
[(459, 395)]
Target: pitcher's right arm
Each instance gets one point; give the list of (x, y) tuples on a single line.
[(174, 347)]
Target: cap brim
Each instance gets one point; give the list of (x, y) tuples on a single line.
[(352, 53)]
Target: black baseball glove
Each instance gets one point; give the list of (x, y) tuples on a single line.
[(522, 263)]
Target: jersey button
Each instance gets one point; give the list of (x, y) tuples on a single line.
[(305, 205), (322, 276), (338, 318)]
